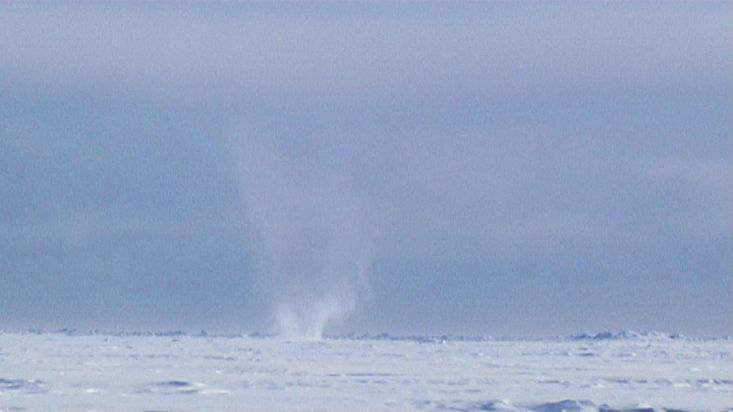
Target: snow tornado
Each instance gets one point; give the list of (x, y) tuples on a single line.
[(308, 229)]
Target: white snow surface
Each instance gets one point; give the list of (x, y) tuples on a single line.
[(179, 372)]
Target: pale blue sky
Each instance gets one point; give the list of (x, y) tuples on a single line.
[(475, 168)]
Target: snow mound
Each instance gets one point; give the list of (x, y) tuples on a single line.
[(566, 405), (628, 335)]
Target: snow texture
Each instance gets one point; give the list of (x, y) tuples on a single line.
[(175, 371)]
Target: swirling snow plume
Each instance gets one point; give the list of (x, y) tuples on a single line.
[(308, 228)]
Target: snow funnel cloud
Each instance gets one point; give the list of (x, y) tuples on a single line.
[(308, 229)]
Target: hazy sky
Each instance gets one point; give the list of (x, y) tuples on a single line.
[(474, 168)]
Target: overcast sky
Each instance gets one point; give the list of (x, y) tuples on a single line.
[(415, 168)]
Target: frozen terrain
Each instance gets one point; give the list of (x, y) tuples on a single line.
[(179, 372)]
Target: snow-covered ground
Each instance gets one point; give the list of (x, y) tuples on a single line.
[(178, 372)]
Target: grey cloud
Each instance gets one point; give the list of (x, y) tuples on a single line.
[(483, 54), (492, 167)]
